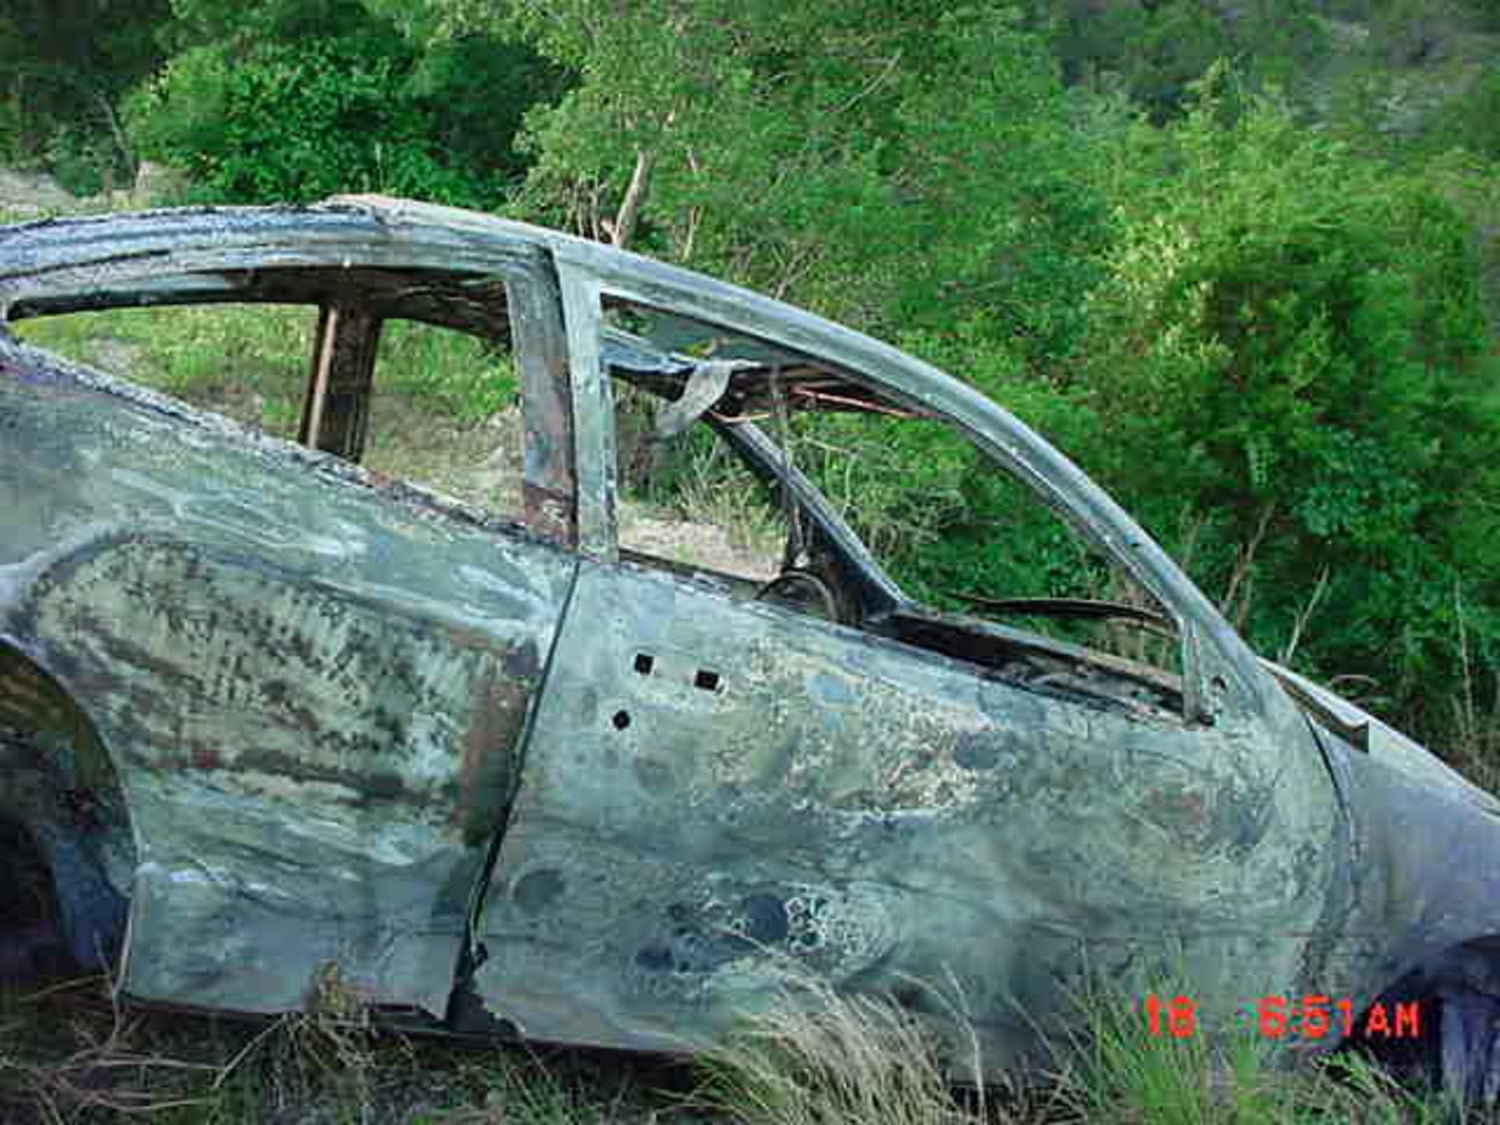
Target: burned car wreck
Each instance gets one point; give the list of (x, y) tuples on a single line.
[(265, 715)]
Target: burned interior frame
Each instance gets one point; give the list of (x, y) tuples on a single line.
[(824, 559), (869, 376)]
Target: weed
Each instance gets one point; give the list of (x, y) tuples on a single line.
[(466, 378), (96, 1068), (850, 1060), (434, 390), (515, 1089), (1476, 726), (817, 1056), (1123, 1072), (249, 363)]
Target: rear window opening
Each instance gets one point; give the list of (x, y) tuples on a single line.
[(435, 405)]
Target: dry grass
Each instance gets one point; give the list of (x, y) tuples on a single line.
[(815, 1056), (819, 1057), (833, 1067), (69, 1053), (92, 1063)]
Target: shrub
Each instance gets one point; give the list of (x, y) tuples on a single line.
[(1293, 347), (293, 100), (295, 122)]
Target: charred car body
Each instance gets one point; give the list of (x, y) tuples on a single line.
[(265, 715)]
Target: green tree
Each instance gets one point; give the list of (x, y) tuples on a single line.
[(1156, 49), (63, 66), (297, 99), (1293, 347), (844, 155), (910, 168)]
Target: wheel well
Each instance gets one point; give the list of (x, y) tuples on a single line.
[(31, 942), (66, 845), (1468, 966)]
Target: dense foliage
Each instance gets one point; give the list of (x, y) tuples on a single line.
[(1292, 345), (64, 64), (299, 99), (1239, 260)]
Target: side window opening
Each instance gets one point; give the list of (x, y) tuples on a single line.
[(964, 538), (446, 414), (689, 501), (983, 570), (434, 405)]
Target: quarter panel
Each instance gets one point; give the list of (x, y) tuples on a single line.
[(313, 687)]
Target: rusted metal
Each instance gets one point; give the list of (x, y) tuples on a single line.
[(849, 401), (549, 483)]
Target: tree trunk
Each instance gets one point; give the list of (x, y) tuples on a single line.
[(630, 207)]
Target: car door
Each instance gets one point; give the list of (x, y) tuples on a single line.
[(727, 791), (312, 682)]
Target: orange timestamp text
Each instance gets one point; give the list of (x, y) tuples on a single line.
[(1305, 1017)]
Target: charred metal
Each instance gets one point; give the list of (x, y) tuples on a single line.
[(297, 722)]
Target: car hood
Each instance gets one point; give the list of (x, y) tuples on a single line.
[(1384, 744)]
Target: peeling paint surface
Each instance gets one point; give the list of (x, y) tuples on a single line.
[(316, 724), (864, 811)]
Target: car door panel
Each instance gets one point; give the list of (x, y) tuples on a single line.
[(720, 795)]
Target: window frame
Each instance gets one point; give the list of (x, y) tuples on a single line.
[(858, 581), (316, 258), (1221, 679)]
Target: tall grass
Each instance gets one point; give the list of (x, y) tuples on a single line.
[(212, 354), (826, 1058), (815, 1056), (248, 362)]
